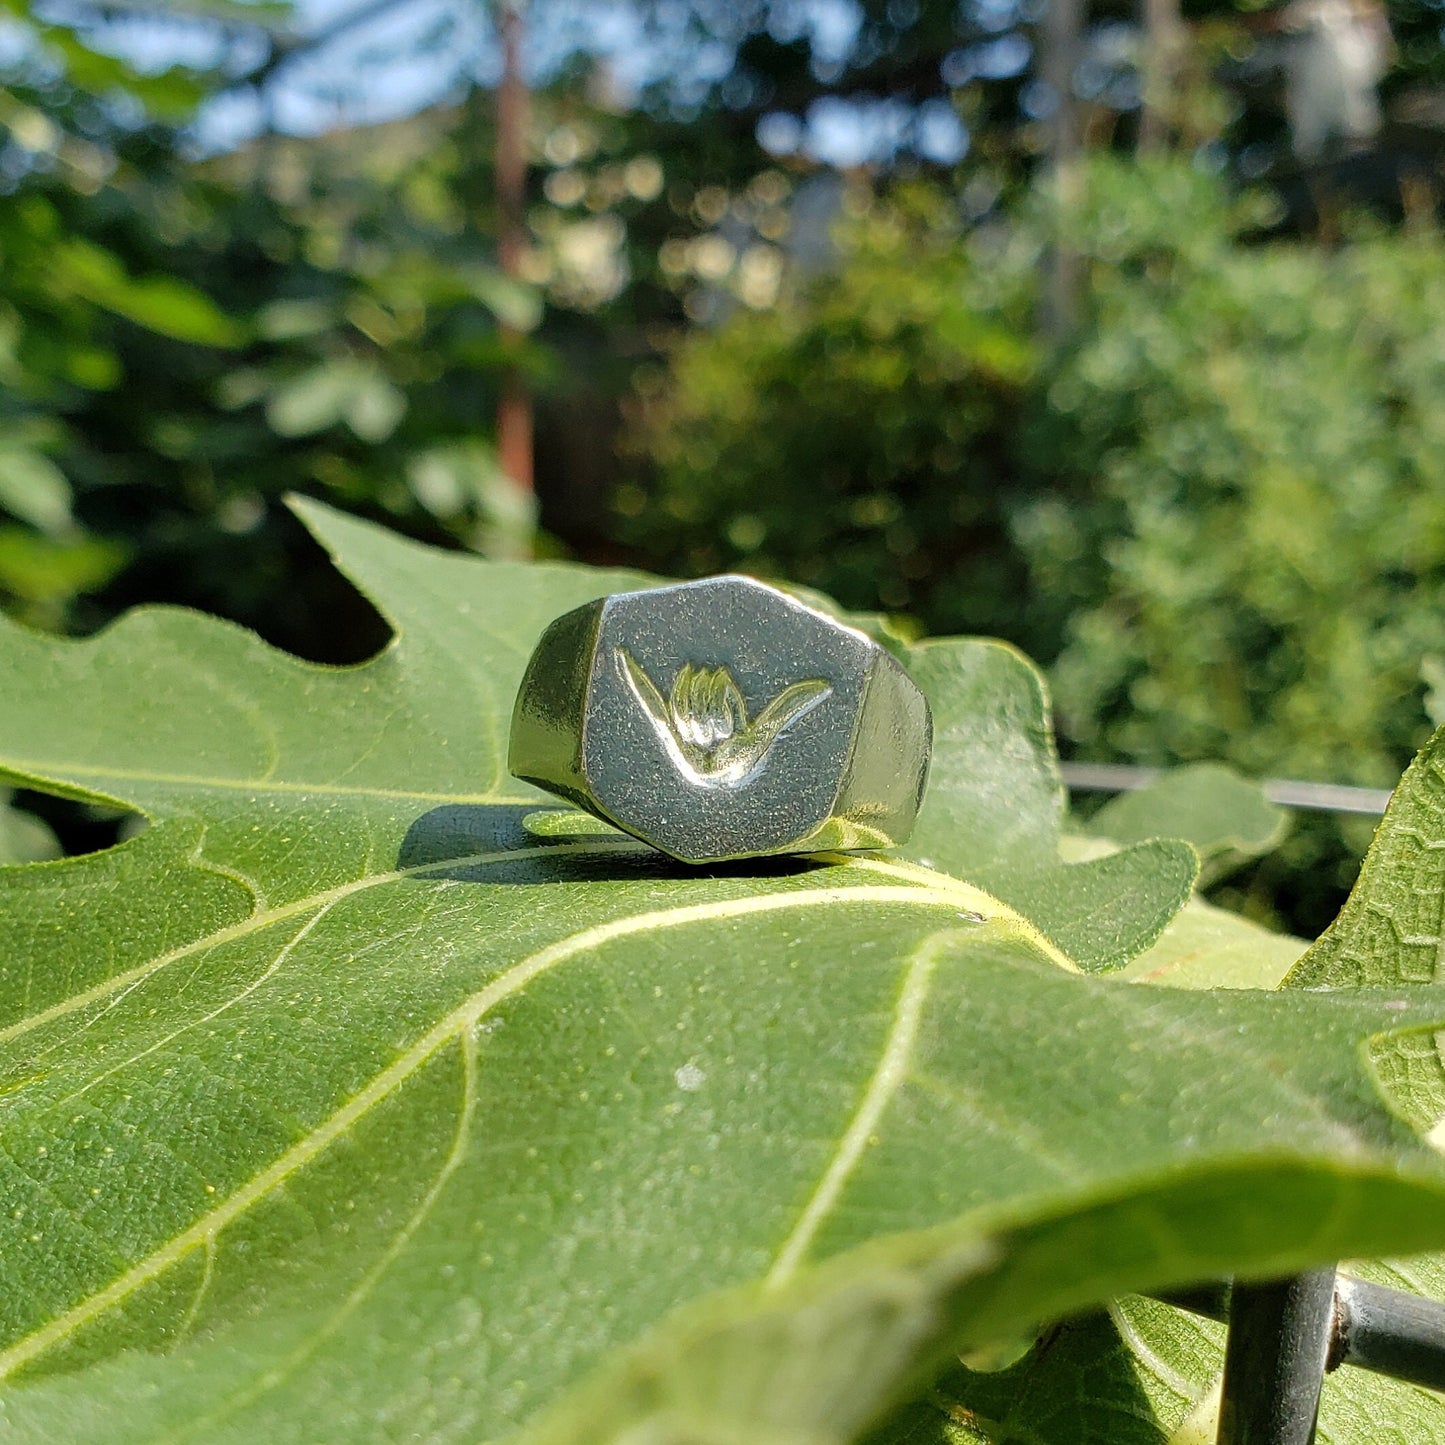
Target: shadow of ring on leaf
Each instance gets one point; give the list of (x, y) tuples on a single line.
[(461, 831)]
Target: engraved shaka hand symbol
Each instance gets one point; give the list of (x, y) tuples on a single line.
[(704, 724)]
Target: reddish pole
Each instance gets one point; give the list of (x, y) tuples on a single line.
[(1162, 33), (1058, 59), (514, 410)]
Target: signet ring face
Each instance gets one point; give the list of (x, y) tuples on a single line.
[(723, 719)]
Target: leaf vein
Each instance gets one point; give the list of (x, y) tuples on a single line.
[(887, 1078), (282, 954), (278, 1374), (40, 771)]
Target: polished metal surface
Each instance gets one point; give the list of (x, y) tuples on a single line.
[(723, 719)]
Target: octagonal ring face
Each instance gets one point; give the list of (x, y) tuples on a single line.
[(723, 719)]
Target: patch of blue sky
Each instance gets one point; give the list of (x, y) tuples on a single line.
[(418, 53), (860, 132)]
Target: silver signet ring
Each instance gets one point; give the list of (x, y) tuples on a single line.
[(723, 719)]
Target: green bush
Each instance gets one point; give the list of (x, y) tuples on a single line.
[(1237, 502), (856, 436), (1247, 530)]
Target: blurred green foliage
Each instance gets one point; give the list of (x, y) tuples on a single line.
[(23, 837), (854, 436), (1216, 511), (1245, 528), (182, 342), (1244, 524)]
